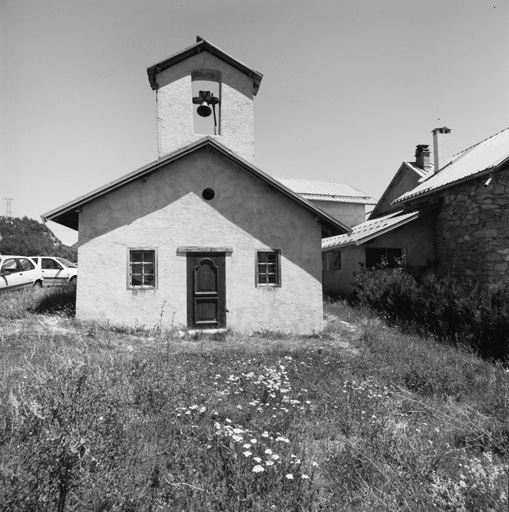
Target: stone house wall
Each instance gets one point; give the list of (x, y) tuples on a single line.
[(472, 230)]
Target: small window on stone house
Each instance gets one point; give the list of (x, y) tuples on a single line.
[(333, 260), (382, 257), (206, 89)]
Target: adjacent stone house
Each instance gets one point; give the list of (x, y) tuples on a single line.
[(449, 217), (471, 194), (200, 237)]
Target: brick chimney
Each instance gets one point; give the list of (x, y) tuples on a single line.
[(422, 156), (442, 147)]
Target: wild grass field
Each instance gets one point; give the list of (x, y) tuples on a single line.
[(359, 417)]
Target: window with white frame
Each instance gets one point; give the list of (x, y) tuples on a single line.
[(333, 260), (142, 269), (268, 268)]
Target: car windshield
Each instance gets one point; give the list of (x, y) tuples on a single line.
[(67, 263)]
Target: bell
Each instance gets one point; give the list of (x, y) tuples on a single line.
[(204, 110)]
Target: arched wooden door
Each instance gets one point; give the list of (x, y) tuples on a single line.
[(206, 304)]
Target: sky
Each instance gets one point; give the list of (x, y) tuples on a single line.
[(349, 87)]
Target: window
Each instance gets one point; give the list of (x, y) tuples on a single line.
[(49, 264), (142, 268), (268, 268), (26, 264), (333, 261), (380, 257)]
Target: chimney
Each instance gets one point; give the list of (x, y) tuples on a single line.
[(442, 147), (422, 156)]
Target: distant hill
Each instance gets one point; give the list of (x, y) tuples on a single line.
[(27, 237)]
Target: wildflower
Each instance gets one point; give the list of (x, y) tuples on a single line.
[(282, 439), (269, 463), (258, 469), (275, 456), (238, 431), (247, 453), (246, 446), (239, 406), (237, 438), (257, 459), (289, 476), (268, 451), (314, 464), (253, 441), (265, 434), (304, 477), (228, 420)]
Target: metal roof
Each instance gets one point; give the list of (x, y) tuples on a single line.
[(485, 156), (317, 190), (68, 214), (370, 229), (202, 45)]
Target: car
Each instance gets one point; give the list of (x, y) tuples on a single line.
[(19, 272), (56, 270)]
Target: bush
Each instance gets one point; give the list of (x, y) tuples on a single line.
[(452, 311)]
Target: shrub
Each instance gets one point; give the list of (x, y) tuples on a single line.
[(452, 311)]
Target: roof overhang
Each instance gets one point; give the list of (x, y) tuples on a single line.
[(434, 190), (68, 214), (373, 228), (200, 46)]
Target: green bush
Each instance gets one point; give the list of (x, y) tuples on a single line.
[(456, 312)]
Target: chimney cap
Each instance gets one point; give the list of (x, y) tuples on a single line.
[(421, 148), (444, 129)]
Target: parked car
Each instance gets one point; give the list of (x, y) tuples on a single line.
[(19, 272), (56, 271)]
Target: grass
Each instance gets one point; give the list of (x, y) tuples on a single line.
[(359, 417)]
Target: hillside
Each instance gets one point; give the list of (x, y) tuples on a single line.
[(27, 237)]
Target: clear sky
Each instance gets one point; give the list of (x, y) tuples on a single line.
[(349, 88)]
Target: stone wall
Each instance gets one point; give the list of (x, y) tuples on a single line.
[(473, 230)]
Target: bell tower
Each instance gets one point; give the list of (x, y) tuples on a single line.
[(203, 91)]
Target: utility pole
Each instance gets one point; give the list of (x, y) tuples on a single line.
[(8, 210)]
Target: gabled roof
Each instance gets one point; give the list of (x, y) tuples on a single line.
[(371, 229), (316, 190), (487, 156), (68, 214), (200, 46), (404, 168)]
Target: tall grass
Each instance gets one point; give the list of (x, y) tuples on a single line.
[(359, 417)]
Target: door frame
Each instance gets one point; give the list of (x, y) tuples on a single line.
[(192, 258)]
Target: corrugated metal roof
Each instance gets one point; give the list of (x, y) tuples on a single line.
[(370, 229), (317, 190), (486, 155)]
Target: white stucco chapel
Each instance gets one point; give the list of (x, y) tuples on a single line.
[(200, 238)]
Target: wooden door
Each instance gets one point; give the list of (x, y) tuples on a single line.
[(206, 304)]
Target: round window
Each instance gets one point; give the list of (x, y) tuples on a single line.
[(208, 194)]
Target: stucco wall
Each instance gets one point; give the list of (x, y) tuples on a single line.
[(167, 212), (175, 108), (406, 179), (417, 239), (473, 230), (350, 214)]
